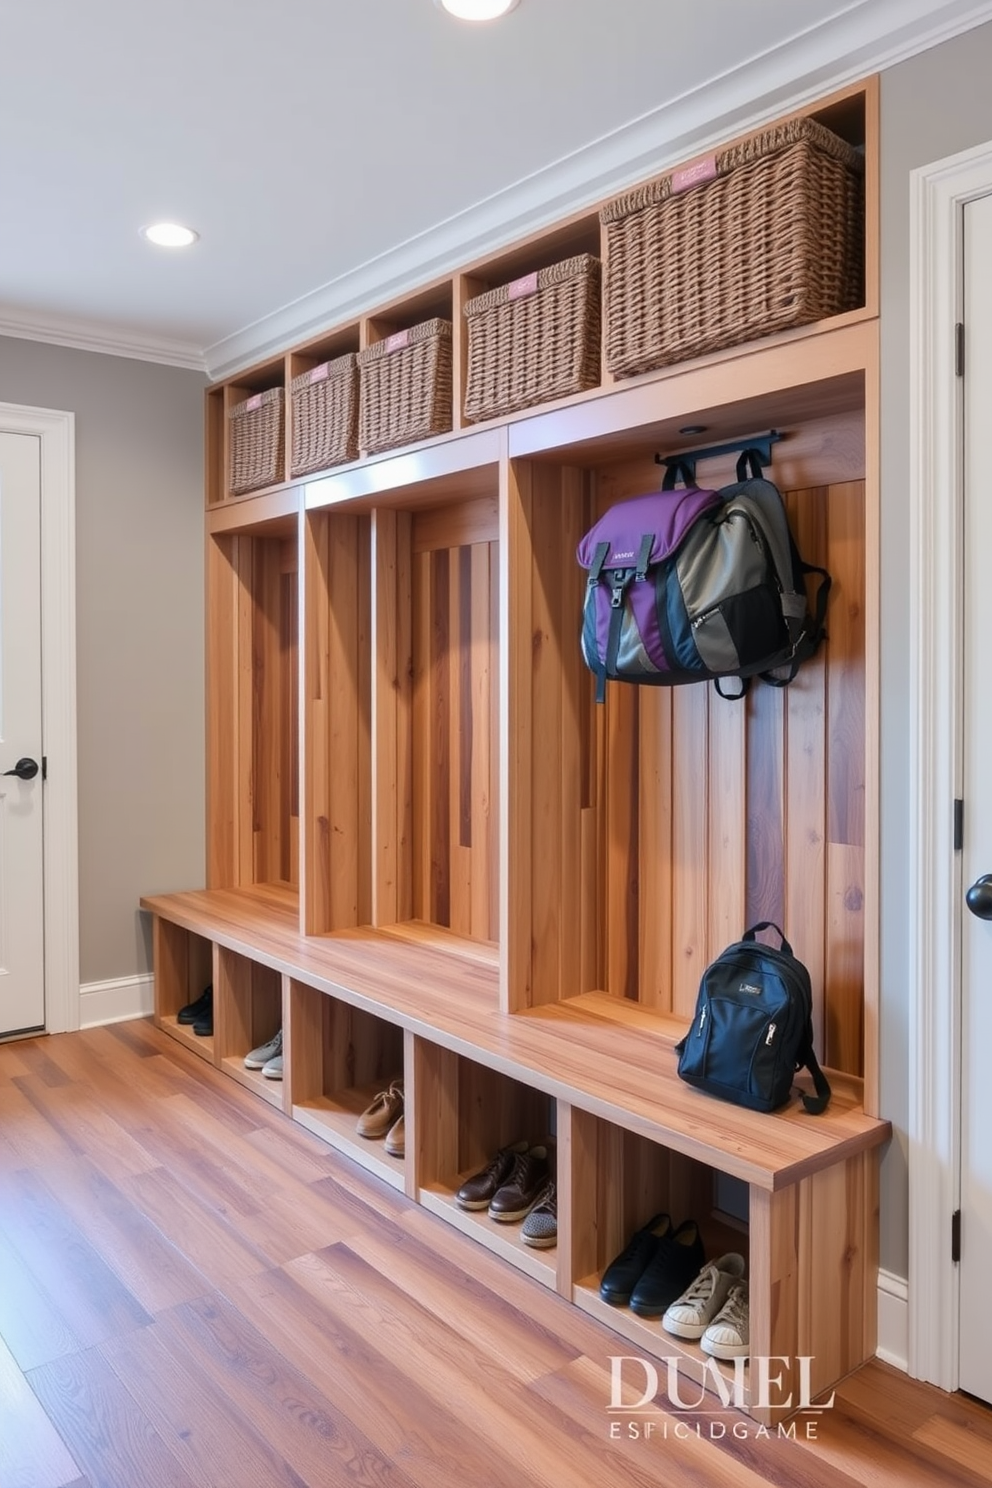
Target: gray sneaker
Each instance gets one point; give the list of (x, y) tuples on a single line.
[(540, 1228), (272, 1068), (260, 1057)]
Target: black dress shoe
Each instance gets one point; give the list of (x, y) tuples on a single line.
[(677, 1262), (195, 1012), (625, 1270), (204, 1027)]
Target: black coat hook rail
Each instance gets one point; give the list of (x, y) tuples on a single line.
[(760, 443)]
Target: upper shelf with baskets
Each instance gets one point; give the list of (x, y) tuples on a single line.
[(767, 239)]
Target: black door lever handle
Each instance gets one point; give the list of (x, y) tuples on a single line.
[(25, 769)]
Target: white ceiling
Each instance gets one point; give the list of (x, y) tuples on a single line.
[(333, 153)]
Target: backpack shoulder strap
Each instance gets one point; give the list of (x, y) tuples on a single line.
[(815, 1105)]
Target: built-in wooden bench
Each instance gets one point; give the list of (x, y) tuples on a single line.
[(361, 1006)]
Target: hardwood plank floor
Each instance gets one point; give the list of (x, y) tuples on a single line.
[(196, 1293)]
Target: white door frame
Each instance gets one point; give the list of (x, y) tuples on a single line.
[(938, 194), (56, 432)]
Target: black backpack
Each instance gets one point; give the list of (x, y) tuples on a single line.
[(753, 1027)]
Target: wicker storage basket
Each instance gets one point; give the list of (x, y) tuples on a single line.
[(256, 445), (764, 235), (405, 387), (325, 416), (534, 339)]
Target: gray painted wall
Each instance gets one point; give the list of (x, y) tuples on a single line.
[(139, 631), (934, 105)]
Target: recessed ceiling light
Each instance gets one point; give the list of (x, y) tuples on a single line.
[(477, 10), (169, 235)]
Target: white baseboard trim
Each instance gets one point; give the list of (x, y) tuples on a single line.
[(893, 1320), (116, 1001)]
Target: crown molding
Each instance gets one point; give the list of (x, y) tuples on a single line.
[(868, 37), (91, 336)]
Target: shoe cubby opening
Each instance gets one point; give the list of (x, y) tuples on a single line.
[(252, 709), (617, 1183), (184, 973), (248, 1015), (340, 1059), (648, 832), (463, 1114)]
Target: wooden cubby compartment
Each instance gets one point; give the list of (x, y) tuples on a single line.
[(652, 830), (184, 969), (220, 401), (463, 1113), (403, 752), (253, 707), (579, 234), (339, 1059), (248, 1012), (617, 1183)]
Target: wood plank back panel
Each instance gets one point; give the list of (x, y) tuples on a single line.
[(453, 765), (270, 667)]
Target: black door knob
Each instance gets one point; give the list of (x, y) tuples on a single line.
[(25, 769), (979, 897)]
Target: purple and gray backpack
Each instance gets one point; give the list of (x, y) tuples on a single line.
[(691, 585)]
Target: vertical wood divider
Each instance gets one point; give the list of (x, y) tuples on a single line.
[(872, 674), (225, 806), (285, 987), (607, 379), (392, 702), (335, 754), (311, 744), (516, 743), (430, 1102), (774, 1269), (287, 416), (573, 1190), (872, 199), (170, 959), (244, 785), (303, 1043), (464, 287)]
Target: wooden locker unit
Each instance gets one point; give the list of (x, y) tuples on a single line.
[(435, 854), (253, 704)]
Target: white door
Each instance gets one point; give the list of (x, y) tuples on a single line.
[(22, 949), (976, 931)]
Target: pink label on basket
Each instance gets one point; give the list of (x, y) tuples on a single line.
[(397, 342), (319, 374), (521, 288), (253, 403), (695, 174)]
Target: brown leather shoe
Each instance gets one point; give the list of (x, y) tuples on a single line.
[(522, 1189), (396, 1139), (477, 1192), (384, 1112)]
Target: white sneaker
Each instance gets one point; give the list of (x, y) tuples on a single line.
[(259, 1058), (691, 1314), (728, 1334)]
